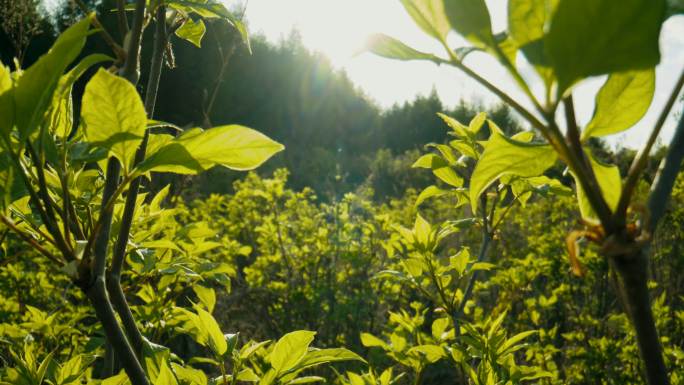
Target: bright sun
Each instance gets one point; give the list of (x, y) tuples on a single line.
[(336, 28)]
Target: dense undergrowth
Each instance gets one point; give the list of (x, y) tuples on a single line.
[(278, 260), (493, 255)]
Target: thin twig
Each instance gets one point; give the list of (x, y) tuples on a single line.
[(118, 51), (28, 239), (44, 194)]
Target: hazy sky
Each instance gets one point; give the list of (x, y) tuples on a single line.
[(338, 28)]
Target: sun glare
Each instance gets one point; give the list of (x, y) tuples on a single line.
[(340, 28)]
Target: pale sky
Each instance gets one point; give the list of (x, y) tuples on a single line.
[(338, 28)]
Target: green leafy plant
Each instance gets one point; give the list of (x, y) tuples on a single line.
[(46, 152), (565, 42)]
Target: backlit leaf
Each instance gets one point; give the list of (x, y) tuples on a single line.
[(429, 16), (290, 349), (622, 102), (33, 91), (504, 156), (389, 47), (114, 115), (216, 341), (235, 147), (192, 31), (470, 18), (596, 37), (608, 177)]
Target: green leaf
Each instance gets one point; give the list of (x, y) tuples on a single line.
[(355, 379), (154, 356), (477, 122), (527, 19), (460, 130), (460, 260), (114, 115), (306, 380), (216, 340), (34, 88), (608, 177), (242, 29), (596, 37), (249, 349), (323, 356), (621, 103), (235, 147), (189, 375), (430, 161), (446, 152), (5, 78), (432, 353), (209, 10), (504, 156), (429, 16), (247, 375), (429, 192), (510, 345), (60, 115), (523, 136), (206, 295), (470, 18), (527, 22), (192, 31), (389, 47), (290, 349), (166, 376), (422, 230), (439, 327), (368, 340), (440, 167)]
